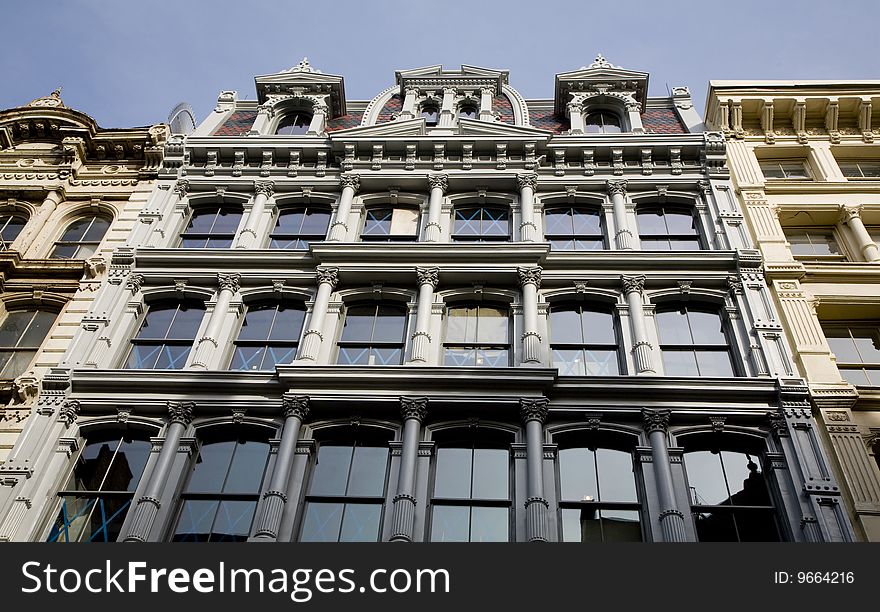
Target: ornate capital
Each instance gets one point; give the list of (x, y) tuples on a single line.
[(328, 275), (181, 412), (777, 423), (320, 109), (229, 282), (734, 284), (633, 283), (488, 91), (134, 283), (717, 423), (181, 188), (351, 180), (705, 187), (527, 180), (266, 188), (450, 90), (414, 408), (848, 213), (440, 181), (69, 412), (295, 406), (412, 91), (533, 409), (530, 275), (633, 106), (428, 276), (656, 420), (616, 187)]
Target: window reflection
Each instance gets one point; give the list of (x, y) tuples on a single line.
[(21, 336), (269, 335), (668, 228), (299, 226), (584, 340), (373, 334), (81, 238), (477, 335), (475, 223), (574, 228), (211, 227), (166, 336), (11, 225), (693, 341)]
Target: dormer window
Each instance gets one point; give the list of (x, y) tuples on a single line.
[(602, 122), (294, 124), (430, 113), (468, 111)]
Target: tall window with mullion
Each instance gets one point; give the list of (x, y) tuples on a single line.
[(11, 225), (857, 349), (668, 228), (373, 334), (583, 339), (481, 223), (96, 498), (390, 223), (346, 494), (729, 494), (166, 335), (574, 228), (211, 227), (221, 495), (477, 335), (599, 500), (269, 335), (299, 226), (693, 340), (81, 238), (471, 500), (21, 335)]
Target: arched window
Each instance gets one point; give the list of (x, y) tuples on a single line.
[(602, 122), (599, 499), (21, 335), (211, 227), (729, 494), (11, 225), (294, 124), (468, 110), (481, 223), (81, 238), (346, 494), (298, 226), (693, 340), (373, 335), (97, 496), (430, 113), (668, 228), (223, 489), (478, 335), (471, 498), (166, 336), (575, 228), (391, 223), (583, 340), (269, 335)]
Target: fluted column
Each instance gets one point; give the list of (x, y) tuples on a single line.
[(576, 118), (36, 225), (295, 409), (487, 95), (248, 236), (528, 231), (413, 410), (350, 185), (632, 288), (409, 103), (623, 238), (656, 422), (314, 336), (852, 217), (534, 413), (208, 343), (447, 108), (438, 184), (421, 338), (530, 279), (180, 415)]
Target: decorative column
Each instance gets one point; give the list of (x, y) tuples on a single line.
[(447, 115), (319, 120), (180, 415), (576, 117), (633, 286), (487, 95), (409, 104), (528, 231), (264, 190), (295, 409), (351, 183), (534, 413), (530, 279), (36, 225), (438, 183), (314, 336), (656, 423), (851, 217), (413, 410), (421, 338), (229, 284), (634, 114), (623, 238)]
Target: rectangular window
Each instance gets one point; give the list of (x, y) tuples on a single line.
[(785, 170), (857, 349), (813, 243), (866, 169)]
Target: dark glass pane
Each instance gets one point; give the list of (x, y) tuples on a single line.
[(98, 468), (651, 222), (621, 526), (186, 322), (14, 326), (354, 355), (587, 222), (680, 222), (290, 221), (390, 322), (358, 323), (193, 243), (64, 251), (757, 525), (38, 329), (196, 518), (747, 486), (130, 459), (331, 470), (89, 519), (705, 478), (315, 222), (673, 327), (577, 475), (233, 522), (288, 323), (491, 473), (361, 523), (294, 125), (706, 327), (211, 467), (11, 228), (93, 464), (581, 525), (467, 221), (453, 473), (461, 325), (617, 482), (612, 123), (17, 363), (76, 230), (715, 527), (278, 354), (565, 325), (171, 357), (143, 356), (202, 221), (378, 221), (248, 467), (368, 471), (95, 232), (490, 524), (714, 363), (450, 524), (322, 522), (257, 322)]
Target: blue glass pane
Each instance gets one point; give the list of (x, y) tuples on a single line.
[(459, 357), (288, 323), (157, 322), (490, 524), (330, 476), (257, 322), (361, 523), (186, 322), (378, 221), (322, 522), (354, 356), (450, 524), (315, 222), (278, 354), (233, 521), (196, 518), (290, 221), (385, 356), (96, 231), (248, 358), (172, 357)]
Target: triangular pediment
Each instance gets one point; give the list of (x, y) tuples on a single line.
[(405, 127), (466, 77), (599, 73), (473, 127)]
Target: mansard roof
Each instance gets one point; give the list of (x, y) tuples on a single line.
[(599, 75)]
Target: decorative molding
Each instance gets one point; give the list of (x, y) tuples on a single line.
[(527, 180), (229, 282), (616, 187), (438, 181), (635, 283)]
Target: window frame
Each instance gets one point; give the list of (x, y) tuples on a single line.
[(765, 164), (480, 237), (814, 230), (729, 335), (389, 237), (477, 346), (268, 342), (668, 208), (580, 306), (435, 109), (5, 219), (850, 366), (858, 166), (210, 235), (79, 244), (342, 344), (301, 240), (17, 347), (286, 121), (602, 113), (165, 341), (576, 209)]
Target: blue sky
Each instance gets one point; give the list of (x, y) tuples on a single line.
[(128, 63)]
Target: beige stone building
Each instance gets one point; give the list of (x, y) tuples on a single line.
[(805, 163), (70, 193)]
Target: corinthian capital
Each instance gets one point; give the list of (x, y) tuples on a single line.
[(616, 187), (530, 275), (181, 412), (533, 409), (414, 408), (848, 213), (428, 276), (655, 420), (351, 180), (266, 188), (527, 180), (633, 283), (328, 275), (229, 282), (295, 406), (438, 181)]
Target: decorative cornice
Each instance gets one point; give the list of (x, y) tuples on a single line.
[(533, 409), (295, 406), (229, 282), (327, 275), (634, 283), (616, 187), (656, 420), (414, 408), (428, 276), (440, 181), (530, 275), (181, 412)]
